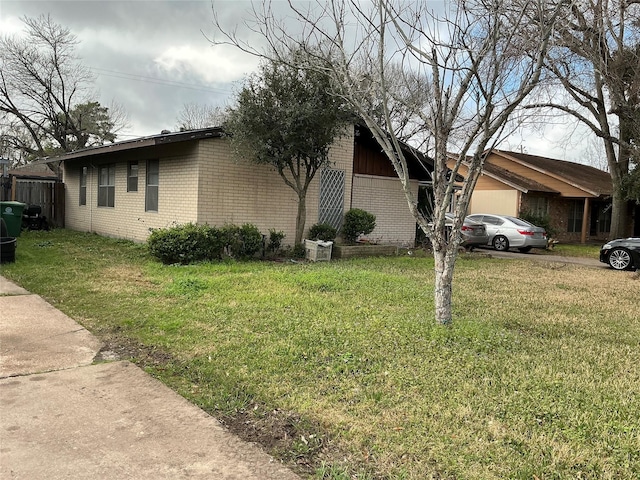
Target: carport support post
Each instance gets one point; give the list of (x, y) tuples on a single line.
[(585, 219)]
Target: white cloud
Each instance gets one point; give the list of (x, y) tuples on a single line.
[(214, 65)]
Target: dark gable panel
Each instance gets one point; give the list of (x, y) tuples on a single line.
[(369, 160)]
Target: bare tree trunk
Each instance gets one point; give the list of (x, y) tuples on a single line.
[(301, 218), (443, 291)]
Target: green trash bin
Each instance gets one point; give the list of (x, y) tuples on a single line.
[(12, 214)]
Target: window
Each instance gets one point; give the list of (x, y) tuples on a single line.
[(604, 220), (492, 220), (538, 206), (132, 177), (153, 177), (83, 186), (331, 203), (106, 185), (574, 224)]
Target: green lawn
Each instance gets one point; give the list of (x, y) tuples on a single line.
[(576, 250), (339, 369)]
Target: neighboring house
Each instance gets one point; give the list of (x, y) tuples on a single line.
[(575, 197), (128, 188)]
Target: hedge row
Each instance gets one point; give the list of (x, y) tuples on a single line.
[(194, 243)]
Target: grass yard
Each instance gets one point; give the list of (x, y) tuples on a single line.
[(576, 250), (339, 370)]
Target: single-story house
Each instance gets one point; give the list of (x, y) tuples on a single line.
[(575, 197), (128, 188)]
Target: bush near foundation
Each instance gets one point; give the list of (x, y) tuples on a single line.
[(357, 222), (190, 243), (322, 231)]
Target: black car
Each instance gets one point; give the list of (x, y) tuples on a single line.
[(622, 254)]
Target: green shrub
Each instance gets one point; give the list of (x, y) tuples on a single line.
[(543, 221), (185, 243), (298, 251), (242, 242), (191, 243), (252, 240), (357, 222), (275, 240), (322, 231)]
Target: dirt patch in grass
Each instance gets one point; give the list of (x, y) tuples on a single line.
[(115, 347), (281, 433)]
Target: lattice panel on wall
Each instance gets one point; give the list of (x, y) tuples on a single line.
[(331, 205)]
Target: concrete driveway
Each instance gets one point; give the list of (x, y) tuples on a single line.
[(542, 256)]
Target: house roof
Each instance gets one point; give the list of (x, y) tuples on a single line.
[(142, 142), (36, 171), (584, 177), (518, 182), (417, 160)]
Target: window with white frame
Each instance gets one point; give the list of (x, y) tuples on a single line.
[(538, 206), (106, 185), (153, 181), (83, 185), (331, 203), (132, 176)]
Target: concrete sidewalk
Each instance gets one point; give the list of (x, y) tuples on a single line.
[(63, 417)]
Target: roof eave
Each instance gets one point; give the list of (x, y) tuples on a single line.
[(156, 140), (551, 174)]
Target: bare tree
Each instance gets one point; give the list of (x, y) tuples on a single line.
[(44, 98), (472, 63), (595, 57), (194, 116)]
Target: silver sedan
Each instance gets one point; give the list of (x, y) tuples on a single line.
[(473, 234), (506, 231)]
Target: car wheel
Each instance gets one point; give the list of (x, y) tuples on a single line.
[(620, 259), (501, 243), (525, 249)]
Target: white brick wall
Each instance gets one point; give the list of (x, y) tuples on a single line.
[(177, 195), (383, 197), (239, 191)]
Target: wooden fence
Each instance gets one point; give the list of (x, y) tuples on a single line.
[(49, 195)]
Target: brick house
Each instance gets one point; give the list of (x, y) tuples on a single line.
[(576, 197), (126, 189)]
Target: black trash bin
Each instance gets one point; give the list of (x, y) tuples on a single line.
[(7, 249)]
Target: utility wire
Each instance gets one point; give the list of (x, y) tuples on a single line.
[(142, 78)]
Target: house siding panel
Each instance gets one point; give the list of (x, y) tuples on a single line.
[(499, 202), (384, 198)]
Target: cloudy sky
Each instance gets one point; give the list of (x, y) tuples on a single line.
[(152, 57)]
